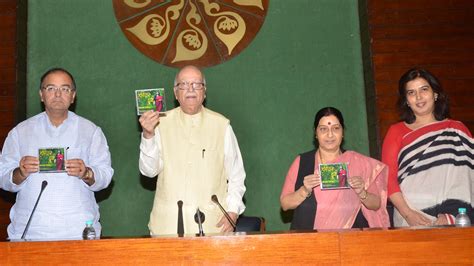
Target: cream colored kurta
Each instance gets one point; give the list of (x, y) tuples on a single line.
[(193, 161)]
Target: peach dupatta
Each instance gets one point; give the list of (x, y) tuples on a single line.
[(338, 209)]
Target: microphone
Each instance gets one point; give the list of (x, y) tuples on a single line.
[(215, 200), (43, 186), (180, 219), (199, 218)]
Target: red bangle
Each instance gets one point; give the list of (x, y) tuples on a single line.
[(449, 218)]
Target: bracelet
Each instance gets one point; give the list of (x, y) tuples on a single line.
[(366, 195), (308, 193), (88, 174)]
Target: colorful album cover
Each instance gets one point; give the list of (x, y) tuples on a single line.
[(150, 99), (52, 160), (334, 176)]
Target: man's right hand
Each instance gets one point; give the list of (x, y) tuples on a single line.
[(149, 120), (27, 165)]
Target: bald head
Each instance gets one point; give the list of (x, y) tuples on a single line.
[(189, 68)]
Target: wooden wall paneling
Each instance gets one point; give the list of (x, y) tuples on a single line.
[(410, 59), (457, 71), (384, 5), (421, 16), (420, 31), (8, 91), (437, 35)]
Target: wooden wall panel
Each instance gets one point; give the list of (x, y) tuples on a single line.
[(437, 35), (8, 91)]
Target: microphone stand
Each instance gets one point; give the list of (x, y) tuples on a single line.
[(180, 219), (43, 186), (215, 200), (199, 218)]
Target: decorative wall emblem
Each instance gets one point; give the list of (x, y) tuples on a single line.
[(198, 32)]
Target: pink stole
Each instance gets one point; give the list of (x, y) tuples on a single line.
[(338, 208)]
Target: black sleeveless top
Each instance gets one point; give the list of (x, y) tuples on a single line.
[(304, 214)]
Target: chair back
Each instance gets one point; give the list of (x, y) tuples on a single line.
[(250, 224)]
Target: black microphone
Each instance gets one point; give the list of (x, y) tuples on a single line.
[(180, 219), (215, 200), (43, 186), (199, 218)]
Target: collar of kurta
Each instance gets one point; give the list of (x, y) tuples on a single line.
[(191, 120)]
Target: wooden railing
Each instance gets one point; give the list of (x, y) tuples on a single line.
[(401, 246)]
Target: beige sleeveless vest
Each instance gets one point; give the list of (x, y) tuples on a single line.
[(193, 160)]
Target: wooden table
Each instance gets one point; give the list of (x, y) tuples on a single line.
[(400, 246)]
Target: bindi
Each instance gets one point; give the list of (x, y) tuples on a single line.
[(329, 123)]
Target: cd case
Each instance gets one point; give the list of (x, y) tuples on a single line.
[(150, 99), (334, 176), (52, 160)]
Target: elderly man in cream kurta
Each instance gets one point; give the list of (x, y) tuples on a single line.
[(195, 154)]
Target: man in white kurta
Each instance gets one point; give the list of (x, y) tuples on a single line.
[(68, 200), (195, 154)]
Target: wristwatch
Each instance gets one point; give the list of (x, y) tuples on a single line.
[(308, 193), (88, 174)]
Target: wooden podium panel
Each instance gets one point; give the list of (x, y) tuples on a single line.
[(308, 248), (350, 247), (449, 245)]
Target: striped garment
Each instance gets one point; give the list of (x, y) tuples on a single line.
[(436, 170)]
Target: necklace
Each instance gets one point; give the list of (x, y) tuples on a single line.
[(320, 158)]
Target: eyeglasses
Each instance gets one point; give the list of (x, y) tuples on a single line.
[(63, 89), (186, 85)]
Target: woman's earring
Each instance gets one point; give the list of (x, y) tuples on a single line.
[(436, 97)]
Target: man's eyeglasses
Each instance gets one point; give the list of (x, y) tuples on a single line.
[(62, 89), (186, 85)]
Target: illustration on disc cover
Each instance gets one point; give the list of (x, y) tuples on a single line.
[(52, 160), (150, 99), (334, 176)]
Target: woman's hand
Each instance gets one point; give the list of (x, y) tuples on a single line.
[(442, 220), (357, 184), (311, 181), (415, 218)]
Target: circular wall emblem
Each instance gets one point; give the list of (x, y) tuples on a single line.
[(183, 32)]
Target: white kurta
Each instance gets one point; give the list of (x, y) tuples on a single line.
[(67, 202)]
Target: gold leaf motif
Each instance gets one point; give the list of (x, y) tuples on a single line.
[(159, 27), (228, 24), (133, 4), (257, 3), (192, 39), (226, 21), (198, 32)]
